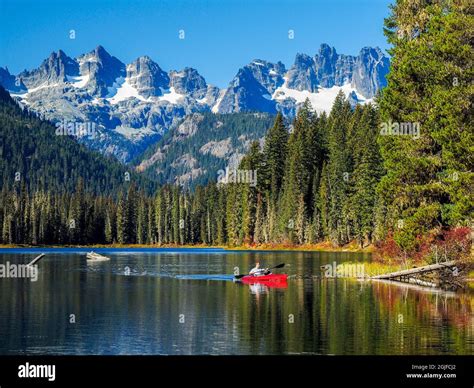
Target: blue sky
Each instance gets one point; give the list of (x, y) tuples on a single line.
[(220, 35)]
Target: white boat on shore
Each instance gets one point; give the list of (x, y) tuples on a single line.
[(93, 257)]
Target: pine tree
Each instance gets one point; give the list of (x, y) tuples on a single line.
[(258, 237), (274, 155), (338, 170), (131, 209), (142, 212), (121, 219), (296, 178), (109, 237), (220, 216), (33, 227), (175, 211), (300, 222), (234, 215), (158, 217), (253, 167), (367, 173), (429, 179), (317, 231)]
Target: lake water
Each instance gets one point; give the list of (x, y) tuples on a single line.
[(184, 302)]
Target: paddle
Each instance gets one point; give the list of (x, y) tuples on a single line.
[(276, 266)]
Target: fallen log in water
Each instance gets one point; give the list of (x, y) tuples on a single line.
[(415, 271), (36, 259)]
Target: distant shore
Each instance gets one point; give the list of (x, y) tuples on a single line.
[(320, 247)]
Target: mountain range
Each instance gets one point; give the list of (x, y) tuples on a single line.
[(131, 106)]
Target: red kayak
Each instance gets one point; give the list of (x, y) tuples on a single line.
[(266, 279)]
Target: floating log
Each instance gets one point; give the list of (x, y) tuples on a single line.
[(95, 257), (36, 259), (414, 271)]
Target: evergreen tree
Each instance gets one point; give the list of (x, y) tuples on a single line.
[(121, 220), (366, 175), (109, 235), (338, 170), (252, 165), (296, 178), (429, 176), (159, 217), (142, 223), (274, 155)]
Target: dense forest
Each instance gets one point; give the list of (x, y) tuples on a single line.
[(340, 177), (32, 154), (314, 183), (191, 153)]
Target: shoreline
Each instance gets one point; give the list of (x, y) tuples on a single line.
[(320, 247), (373, 267)]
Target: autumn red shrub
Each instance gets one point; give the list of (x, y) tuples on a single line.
[(387, 249), (452, 244), (444, 245)]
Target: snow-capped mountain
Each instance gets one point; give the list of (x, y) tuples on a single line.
[(252, 88), (132, 105), (268, 87)]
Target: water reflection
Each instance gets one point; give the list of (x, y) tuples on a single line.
[(187, 303), (258, 288)]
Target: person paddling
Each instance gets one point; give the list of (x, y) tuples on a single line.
[(257, 271)]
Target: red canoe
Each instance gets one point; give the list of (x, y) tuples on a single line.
[(267, 279)]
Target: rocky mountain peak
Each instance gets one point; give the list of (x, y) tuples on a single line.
[(103, 70), (10, 82), (52, 70), (147, 77), (188, 81), (133, 106), (325, 65), (371, 68), (327, 51), (100, 51), (302, 75), (252, 88)]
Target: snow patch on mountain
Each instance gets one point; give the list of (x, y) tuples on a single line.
[(78, 81), (321, 101), (88, 58), (29, 92), (215, 108), (122, 90), (43, 86), (203, 101), (171, 96)]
